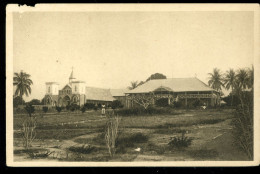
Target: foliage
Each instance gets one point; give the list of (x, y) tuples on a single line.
[(162, 102), (23, 84), (197, 103), (28, 131), (156, 76), (84, 149), (45, 109), (141, 111), (134, 85), (17, 101), (29, 109), (228, 99), (89, 105), (58, 109), (83, 109), (243, 124), (74, 107), (180, 142), (116, 104), (216, 81), (229, 82), (144, 100), (35, 102), (111, 133), (177, 104)]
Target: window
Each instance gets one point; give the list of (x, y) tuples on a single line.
[(75, 88), (49, 90)]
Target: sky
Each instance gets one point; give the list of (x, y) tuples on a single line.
[(111, 49)]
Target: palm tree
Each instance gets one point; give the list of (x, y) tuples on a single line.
[(251, 78), (229, 82), (215, 80), (23, 84), (134, 84), (242, 79)]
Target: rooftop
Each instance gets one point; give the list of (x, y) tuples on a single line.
[(173, 84)]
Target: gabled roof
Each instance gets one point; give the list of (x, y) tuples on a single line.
[(66, 86), (118, 92), (98, 94), (173, 84)]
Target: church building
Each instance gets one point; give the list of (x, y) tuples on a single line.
[(75, 92)]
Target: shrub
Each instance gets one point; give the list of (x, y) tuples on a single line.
[(83, 109), (18, 101), (177, 104), (28, 131), (74, 107), (141, 111), (45, 109), (180, 142), (58, 109), (29, 109), (89, 105), (85, 149), (162, 102), (111, 133), (129, 141), (116, 104)]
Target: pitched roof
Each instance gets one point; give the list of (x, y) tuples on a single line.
[(118, 92), (98, 94), (66, 86), (173, 84)]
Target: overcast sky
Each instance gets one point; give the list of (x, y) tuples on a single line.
[(111, 49)]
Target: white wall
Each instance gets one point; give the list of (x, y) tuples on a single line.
[(54, 89)]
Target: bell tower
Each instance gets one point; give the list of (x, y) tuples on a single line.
[(71, 78)]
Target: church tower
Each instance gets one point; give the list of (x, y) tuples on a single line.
[(71, 78)]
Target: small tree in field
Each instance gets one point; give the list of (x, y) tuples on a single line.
[(144, 100), (58, 109), (111, 132), (28, 128), (45, 109)]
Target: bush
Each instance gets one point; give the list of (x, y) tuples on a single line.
[(29, 109), (45, 109), (85, 149), (162, 102), (180, 142), (89, 105), (177, 104), (116, 104), (83, 109), (74, 107), (141, 111), (58, 109), (18, 101)]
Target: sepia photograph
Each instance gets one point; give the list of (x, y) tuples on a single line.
[(132, 85)]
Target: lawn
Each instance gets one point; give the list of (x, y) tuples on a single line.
[(80, 137)]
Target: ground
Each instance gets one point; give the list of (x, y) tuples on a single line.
[(80, 137)]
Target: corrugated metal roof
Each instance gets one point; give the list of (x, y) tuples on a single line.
[(118, 92), (98, 94), (175, 84)]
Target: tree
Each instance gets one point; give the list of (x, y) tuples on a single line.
[(23, 84), (229, 82), (215, 80), (35, 102), (29, 109), (156, 76), (140, 83), (242, 79), (251, 78), (17, 100), (144, 100), (134, 84)]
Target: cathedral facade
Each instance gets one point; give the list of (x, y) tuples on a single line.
[(75, 92)]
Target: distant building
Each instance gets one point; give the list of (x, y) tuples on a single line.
[(76, 92), (184, 90)]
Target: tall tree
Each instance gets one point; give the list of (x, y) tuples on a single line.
[(134, 84), (23, 84), (251, 78), (229, 82), (215, 80), (242, 79), (156, 76)]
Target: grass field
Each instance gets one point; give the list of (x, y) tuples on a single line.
[(80, 137)]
